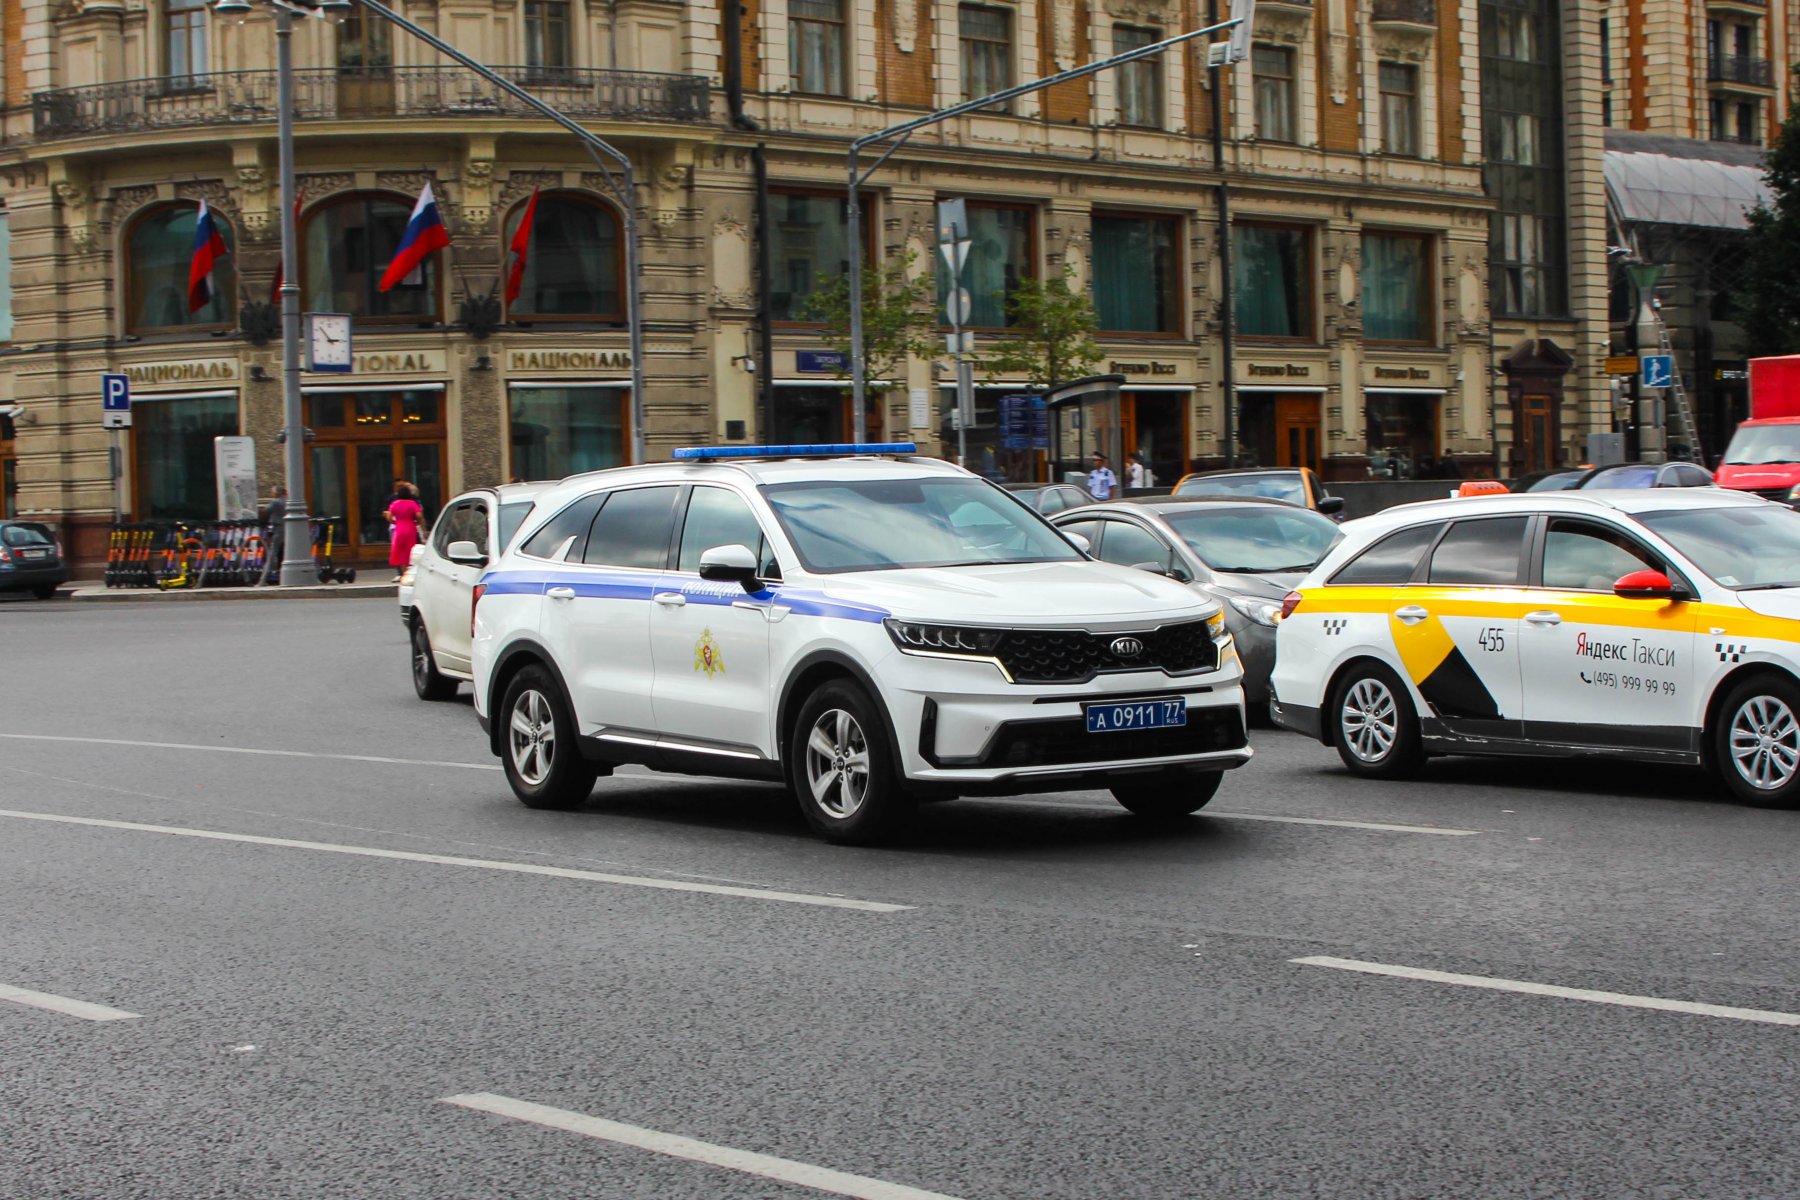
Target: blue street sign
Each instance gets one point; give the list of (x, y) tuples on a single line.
[(820, 361), (1656, 370), (115, 393)]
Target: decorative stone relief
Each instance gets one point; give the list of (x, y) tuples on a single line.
[(312, 187), (409, 182), (1337, 51), (126, 201), (213, 191), (520, 184), (1282, 23), (1062, 33), (906, 24), (1347, 282), (251, 180), (732, 286)]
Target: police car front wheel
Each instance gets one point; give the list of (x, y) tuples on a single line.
[(1373, 724), (537, 744), (843, 769), (1757, 741)]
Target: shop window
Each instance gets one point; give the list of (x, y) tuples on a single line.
[(810, 247), (559, 431), (547, 35), (1396, 286), (1137, 273), (159, 250), (1140, 82), (574, 266), (1272, 75), (184, 42), (172, 454), (816, 46), (1272, 281), (987, 49), (1399, 109), (1402, 435), (1000, 257), (6, 284), (349, 243)]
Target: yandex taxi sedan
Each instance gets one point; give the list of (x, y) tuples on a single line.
[(866, 625), (1661, 625)]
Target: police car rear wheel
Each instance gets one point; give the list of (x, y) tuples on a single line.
[(427, 681), (538, 750), (1758, 742), (1373, 724), (843, 772), (1169, 798)]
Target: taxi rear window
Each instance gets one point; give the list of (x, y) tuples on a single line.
[(1392, 560)]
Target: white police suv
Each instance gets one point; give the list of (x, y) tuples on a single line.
[(870, 627)]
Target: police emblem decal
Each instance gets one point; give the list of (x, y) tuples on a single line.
[(706, 655)]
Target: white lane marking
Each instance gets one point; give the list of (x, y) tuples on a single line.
[(784, 1170), (64, 1005), (448, 860), (1377, 826), (362, 758), (1525, 987)]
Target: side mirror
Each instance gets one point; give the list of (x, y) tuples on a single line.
[(1648, 585), (467, 554), (730, 564), (1331, 506), (1079, 542)]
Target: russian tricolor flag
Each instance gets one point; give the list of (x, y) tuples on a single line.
[(209, 248), (425, 236)]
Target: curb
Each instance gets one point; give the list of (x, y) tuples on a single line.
[(354, 591)]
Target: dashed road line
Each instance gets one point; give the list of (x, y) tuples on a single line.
[(450, 860), (783, 1170), (1528, 988), (64, 1005), (358, 758)]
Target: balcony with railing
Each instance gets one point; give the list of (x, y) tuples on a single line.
[(1731, 69), (1406, 12), (328, 93)]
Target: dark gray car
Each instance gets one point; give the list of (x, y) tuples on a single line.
[(1246, 553)]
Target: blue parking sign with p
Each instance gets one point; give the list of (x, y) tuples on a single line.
[(115, 401), (1656, 370)]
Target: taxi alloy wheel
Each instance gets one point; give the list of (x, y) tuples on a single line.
[(841, 767), (537, 744), (1758, 749), (1373, 724), (428, 682)]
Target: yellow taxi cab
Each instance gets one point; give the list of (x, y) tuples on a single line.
[(1658, 625)]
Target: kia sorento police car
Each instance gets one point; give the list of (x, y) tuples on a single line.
[(868, 626), (1661, 625)]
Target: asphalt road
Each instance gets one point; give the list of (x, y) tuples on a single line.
[(1037, 998)]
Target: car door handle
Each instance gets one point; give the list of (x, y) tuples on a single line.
[(561, 593), (1543, 618), (670, 599), (1412, 614)]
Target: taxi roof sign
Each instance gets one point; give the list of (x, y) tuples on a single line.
[(833, 450)]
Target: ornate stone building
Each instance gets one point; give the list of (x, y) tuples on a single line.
[(1358, 148)]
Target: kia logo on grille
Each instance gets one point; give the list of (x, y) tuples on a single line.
[(1127, 647)]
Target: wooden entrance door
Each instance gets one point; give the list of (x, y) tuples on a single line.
[(1297, 431), (1536, 432), (363, 443), (365, 53)]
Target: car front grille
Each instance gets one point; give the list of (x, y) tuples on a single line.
[(1066, 741), (1076, 656)]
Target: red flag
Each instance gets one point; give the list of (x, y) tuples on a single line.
[(521, 245), (275, 292)]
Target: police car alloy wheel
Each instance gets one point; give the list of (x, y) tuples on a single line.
[(427, 682), (1758, 742), (1167, 798), (1373, 724), (538, 746), (843, 770)]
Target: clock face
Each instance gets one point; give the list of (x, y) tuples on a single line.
[(328, 341)]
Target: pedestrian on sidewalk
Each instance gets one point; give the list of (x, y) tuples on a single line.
[(274, 538), (406, 523), (1137, 472)]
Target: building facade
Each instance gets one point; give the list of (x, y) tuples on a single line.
[(1417, 269)]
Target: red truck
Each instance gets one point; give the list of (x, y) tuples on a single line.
[(1764, 454)]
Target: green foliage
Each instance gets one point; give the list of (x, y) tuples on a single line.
[(1051, 338), (1768, 302), (897, 319)]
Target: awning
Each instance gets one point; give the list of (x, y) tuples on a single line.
[(1662, 189)]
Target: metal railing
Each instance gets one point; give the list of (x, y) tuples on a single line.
[(246, 97), (1412, 12), (1724, 68)]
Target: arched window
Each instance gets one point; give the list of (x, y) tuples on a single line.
[(573, 267), (158, 251), (348, 243)]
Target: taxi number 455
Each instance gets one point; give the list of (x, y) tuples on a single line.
[(1492, 639)]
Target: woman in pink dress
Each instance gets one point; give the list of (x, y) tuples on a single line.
[(406, 520)]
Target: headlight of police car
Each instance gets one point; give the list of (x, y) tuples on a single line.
[(942, 639), (1263, 612)]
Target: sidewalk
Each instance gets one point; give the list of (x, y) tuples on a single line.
[(91, 590)]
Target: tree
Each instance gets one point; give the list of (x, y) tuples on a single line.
[(897, 319), (1051, 338), (1768, 302)]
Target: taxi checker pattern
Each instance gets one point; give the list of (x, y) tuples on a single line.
[(863, 687), (1387, 656)]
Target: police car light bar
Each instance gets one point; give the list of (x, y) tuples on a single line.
[(840, 450)]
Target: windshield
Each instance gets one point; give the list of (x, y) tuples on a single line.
[(25, 535), (1284, 486), (1256, 540), (1737, 547), (1562, 481), (1754, 444), (886, 524), (511, 517), (1623, 477)]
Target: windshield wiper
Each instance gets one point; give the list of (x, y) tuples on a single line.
[(1263, 570)]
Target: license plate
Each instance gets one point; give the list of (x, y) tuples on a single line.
[(1141, 714), (34, 554)]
